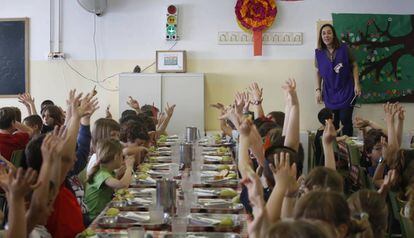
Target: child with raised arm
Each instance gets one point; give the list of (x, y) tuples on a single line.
[(17, 185), (101, 181)]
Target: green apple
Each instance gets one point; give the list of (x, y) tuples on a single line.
[(144, 167), (121, 191), (87, 233), (236, 199), (226, 158), (222, 150), (226, 221), (223, 167), (112, 212), (228, 192), (152, 160), (162, 139), (143, 176), (231, 176)]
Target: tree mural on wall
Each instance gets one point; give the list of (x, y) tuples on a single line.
[(384, 49)]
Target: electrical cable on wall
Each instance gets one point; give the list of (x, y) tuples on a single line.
[(97, 81)]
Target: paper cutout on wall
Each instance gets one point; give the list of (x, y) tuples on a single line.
[(255, 17)]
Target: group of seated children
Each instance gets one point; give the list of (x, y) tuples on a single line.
[(46, 161), (283, 201)]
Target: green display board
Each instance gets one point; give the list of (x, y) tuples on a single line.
[(383, 46)]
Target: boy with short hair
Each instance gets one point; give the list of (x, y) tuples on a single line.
[(13, 135)]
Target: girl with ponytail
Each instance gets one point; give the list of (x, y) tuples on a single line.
[(101, 180), (368, 205)]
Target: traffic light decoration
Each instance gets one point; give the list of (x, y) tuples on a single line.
[(171, 26)]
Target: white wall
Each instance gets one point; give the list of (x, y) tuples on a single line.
[(132, 30)]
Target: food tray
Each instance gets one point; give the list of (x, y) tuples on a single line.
[(133, 204), (123, 220), (203, 222), (217, 205)]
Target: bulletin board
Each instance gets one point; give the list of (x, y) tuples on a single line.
[(383, 47), (14, 56)]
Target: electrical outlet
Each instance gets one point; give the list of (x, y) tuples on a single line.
[(56, 56)]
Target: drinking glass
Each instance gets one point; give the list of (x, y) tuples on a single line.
[(136, 232), (179, 225)]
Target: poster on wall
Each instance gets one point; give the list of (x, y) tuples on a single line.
[(383, 47)]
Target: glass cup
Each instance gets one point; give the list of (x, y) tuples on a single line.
[(198, 152), (190, 198), (156, 214), (195, 166), (179, 225), (186, 184), (183, 208), (136, 232), (174, 169), (195, 177), (175, 153)]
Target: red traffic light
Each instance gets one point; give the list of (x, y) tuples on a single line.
[(172, 9)]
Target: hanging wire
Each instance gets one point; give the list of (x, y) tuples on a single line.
[(97, 81)]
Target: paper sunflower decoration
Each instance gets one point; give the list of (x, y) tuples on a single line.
[(256, 16)]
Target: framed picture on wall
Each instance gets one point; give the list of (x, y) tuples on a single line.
[(171, 61)]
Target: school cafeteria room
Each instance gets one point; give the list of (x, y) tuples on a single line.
[(206, 119)]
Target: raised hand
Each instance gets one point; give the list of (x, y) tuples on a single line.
[(239, 102), (246, 100), (169, 110), (390, 111), (218, 105), (283, 172), (19, 184), (26, 99), (290, 90), (84, 106), (133, 103), (389, 180), (289, 86), (329, 133), (400, 112), (254, 188), (230, 114), (360, 122), (256, 92)]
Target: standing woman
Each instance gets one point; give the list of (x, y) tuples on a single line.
[(338, 71)]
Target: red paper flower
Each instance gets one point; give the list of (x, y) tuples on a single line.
[(255, 15)]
